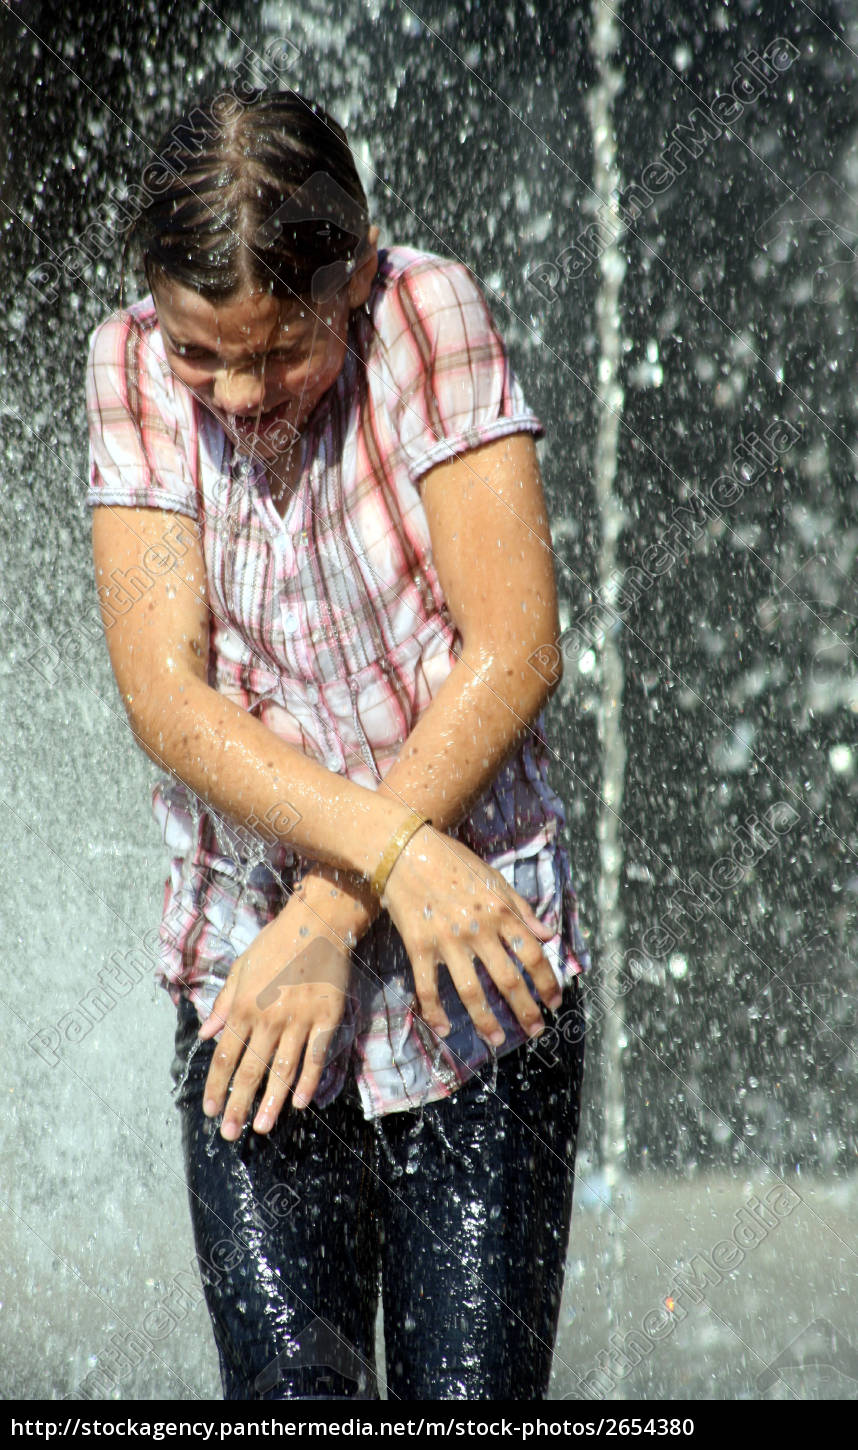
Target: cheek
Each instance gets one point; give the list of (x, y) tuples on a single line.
[(318, 372), (195, 378), (326, 367)]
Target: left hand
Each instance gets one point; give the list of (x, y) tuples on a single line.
[(450, 906)]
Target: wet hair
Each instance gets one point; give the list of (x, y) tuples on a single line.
[(259, 192)]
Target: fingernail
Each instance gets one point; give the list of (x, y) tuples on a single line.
[(230, 1130), (554, 1002), (262, 1122), (298, 1100), (496, 1038), (535, 1029), (209, 1107)]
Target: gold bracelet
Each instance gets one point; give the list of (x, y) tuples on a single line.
[(397, 843)]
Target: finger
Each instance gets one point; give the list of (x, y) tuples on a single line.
[(222, 1066), (460, 964), (219, 1014), (534, 961), (513, 987), (283, 1070), (314, 1065), (245, 1083), (425, 967)]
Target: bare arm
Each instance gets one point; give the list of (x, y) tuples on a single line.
[(159, 648), (491, 547)]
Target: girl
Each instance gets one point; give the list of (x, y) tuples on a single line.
[(324, 568)]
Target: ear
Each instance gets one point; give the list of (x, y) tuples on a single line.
[(361, 280)]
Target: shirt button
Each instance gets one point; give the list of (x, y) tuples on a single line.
[(290, 622)]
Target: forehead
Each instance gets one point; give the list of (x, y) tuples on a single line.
[(249, 320)]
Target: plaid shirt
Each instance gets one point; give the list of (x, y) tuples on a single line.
[(331, 626)]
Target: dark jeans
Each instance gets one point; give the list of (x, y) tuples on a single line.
[(460, 1211)]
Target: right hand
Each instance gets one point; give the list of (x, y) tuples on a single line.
[(448, 905), (283, 1000)]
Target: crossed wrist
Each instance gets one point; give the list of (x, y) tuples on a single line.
[(341, 898), (393, 850)]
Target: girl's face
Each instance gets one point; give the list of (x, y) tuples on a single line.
[(257, 354)]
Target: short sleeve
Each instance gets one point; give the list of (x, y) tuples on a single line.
[(138, 438), (450, 368)]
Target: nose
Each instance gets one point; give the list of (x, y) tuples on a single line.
[(238, 391)]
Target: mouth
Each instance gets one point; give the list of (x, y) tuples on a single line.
[(272, 430)]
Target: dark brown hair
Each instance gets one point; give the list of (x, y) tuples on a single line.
[(260, 191)]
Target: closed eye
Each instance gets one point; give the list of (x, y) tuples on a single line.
[(193, 354), (201, 354)]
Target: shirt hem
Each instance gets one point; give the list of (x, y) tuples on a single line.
[(142, 499)]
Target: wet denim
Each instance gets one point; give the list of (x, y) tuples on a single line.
[(459, 1212)]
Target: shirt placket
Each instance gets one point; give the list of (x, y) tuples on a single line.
[(294, 619)]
